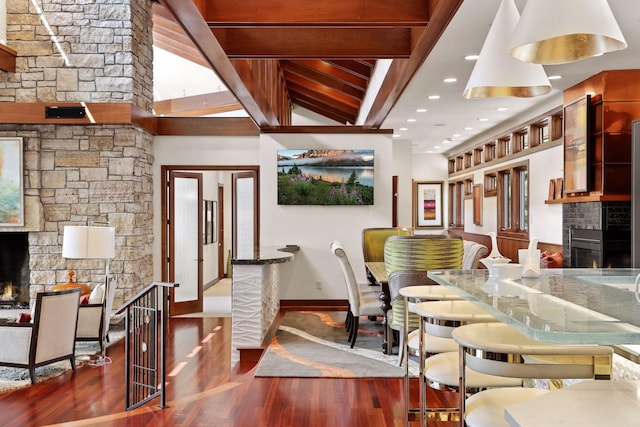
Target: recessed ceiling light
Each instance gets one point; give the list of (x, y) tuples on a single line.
[(483, 119), (455, 135), (429, 151), (450, 80), (433, 97), (421, 110), (395, 135), (403, 129), (437, 147), (446, 141), (411, 120), (471, 57), (501, 109), (556, 77), (468, 128)]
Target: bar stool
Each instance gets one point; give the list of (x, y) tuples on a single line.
[(498, 349), (441, 371), (410, 342)]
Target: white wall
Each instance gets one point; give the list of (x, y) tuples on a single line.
[(314, 227)]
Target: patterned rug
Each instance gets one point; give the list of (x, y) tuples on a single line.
[(315, 344), (15, 378)]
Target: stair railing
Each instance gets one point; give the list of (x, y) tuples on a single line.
[(145, 351)]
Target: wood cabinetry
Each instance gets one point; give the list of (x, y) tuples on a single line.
[(616, 104)]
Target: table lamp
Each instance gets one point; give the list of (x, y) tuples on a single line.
[(92, 242)]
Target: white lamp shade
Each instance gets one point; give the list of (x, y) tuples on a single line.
[(561, 31), (496, 73), (88, 242)]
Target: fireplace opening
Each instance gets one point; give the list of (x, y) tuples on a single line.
[(600, 249), (14, 270)]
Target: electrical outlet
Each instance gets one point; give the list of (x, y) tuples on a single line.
[(318, 284)]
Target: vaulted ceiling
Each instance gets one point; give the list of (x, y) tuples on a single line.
[(320, 55)]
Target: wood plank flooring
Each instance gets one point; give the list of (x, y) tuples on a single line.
[(205, 390)]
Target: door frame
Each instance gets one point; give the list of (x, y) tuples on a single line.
[(164, 194)]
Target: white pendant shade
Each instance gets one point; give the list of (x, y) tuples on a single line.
[(88, 242), (498, 74), (561, 31)]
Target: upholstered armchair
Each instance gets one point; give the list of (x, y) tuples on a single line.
[(373, 240), (94, 317), (49, 338)]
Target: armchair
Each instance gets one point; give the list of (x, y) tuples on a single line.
[(93, 318), (50, 338)]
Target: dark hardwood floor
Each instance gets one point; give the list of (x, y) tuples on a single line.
[(205, 390)]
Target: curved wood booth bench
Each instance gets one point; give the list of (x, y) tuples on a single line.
[(255, 299)]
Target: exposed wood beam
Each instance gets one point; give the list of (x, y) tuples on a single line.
[(401, 71), (298, 42), (344, 93), (324, 67), (201, 126), (246, 89), (7, 59), (294, 71), (197, 105), (323, 110), (325, 13), (359, 68), (328, 129)]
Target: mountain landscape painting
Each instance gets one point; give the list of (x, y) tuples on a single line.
[(325, 177)]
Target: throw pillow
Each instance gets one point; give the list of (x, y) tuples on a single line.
[(97, 295)]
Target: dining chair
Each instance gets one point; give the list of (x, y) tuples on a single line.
[(500, 350), (373, 240), (362, 301)]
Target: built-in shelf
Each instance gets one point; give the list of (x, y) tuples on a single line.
[(591, 198)]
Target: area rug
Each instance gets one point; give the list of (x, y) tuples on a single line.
[(314, 344), (15, 378)]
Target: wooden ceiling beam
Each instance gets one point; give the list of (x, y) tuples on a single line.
[(246, 89), (296, 73), (356, 67), (197, 105), (324, 13), (330, 113), (325, 68), (299, 92), (311, 43)]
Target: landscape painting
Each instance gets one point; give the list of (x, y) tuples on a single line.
[(11, 208), (325, 177)]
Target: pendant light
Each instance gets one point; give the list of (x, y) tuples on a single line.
[(561, 31), (498, 74)]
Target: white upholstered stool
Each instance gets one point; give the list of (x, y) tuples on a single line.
[(410, 342), (441, 371), (498, 349)]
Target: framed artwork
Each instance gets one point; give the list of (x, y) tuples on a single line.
[(207, 228), (11, 182), (427, 204), (477, 204), (578, 126)]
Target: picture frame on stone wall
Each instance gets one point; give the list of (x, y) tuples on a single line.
[(11, 182)]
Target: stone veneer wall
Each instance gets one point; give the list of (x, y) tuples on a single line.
[(84, 174)]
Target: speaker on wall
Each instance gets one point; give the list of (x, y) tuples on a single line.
[(55, 112)]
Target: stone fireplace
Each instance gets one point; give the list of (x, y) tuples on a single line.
[(81, 172)]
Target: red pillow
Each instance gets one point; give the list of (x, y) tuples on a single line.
[(84, 299), (24, 318)]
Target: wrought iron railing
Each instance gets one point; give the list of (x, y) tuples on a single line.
[(145, 328)]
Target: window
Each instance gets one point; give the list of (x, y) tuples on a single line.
[(521, 140), (456, 205), (513, 200)]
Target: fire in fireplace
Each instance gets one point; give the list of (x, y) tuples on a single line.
[(14, 268), (600, 248)]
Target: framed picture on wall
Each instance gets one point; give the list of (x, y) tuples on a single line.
[(11, 189), (214, 221), (427, 204)]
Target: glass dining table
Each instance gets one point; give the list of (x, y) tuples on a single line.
[(574, 305)]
